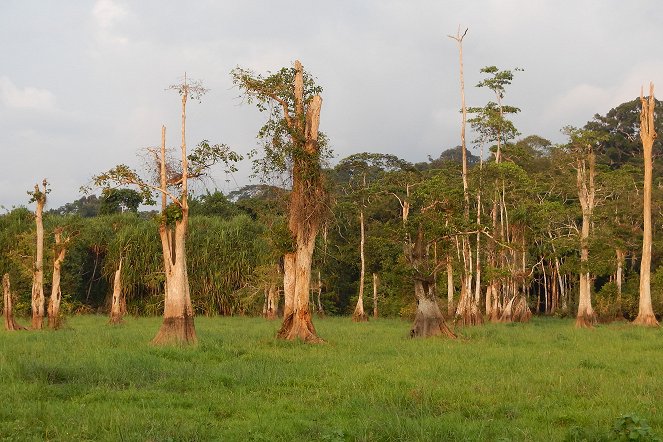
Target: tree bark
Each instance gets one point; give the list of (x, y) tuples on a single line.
[(56, 291), (359, 314), (38, 296), (288, 283), (118, 303), (647, 135), (8, 312)]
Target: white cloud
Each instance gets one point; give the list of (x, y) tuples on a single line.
[(107, 14), (33, 98)]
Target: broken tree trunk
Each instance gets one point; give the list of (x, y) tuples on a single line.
[(38, 296), (8, 313), (647, 135), (56, 290), (118, 302), (359, 314), (306, 205)]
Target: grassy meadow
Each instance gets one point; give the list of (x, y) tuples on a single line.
[(539, 381)]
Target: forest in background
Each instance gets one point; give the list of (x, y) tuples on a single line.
[(236, 240), (524, 226)]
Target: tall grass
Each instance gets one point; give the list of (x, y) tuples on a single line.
[(538, 381)]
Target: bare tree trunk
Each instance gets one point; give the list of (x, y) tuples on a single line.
[(38, 296), (647, 135), (117, 311), (586, 316), (178, 326), (272, 302), (56, 291), (359, 314), (8, 313), (375, 296)]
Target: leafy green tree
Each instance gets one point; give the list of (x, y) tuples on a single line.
[(119, 200)]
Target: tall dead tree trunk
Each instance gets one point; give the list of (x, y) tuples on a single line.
[(56, 291), (178, 326), (586, 316), (647, 135), (38, 296), (8, 312), (305, 211), (359, 314), (467, 310), (118, 302)]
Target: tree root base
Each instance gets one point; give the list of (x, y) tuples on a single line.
[(646, 320), (359, 317), (424, 327), (176, 331), (299, 326), (12, 325), (586, 320), (469, 319), (116, 319)]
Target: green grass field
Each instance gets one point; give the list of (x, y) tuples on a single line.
[(539, 381)]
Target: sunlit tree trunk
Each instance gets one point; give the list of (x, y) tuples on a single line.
[(178, 326), (288, 283), (8, 312), (118, 305), (586, 316), (306, 199), (359, 315), (450, 287), (38, 297), (647, 135), (56, 291)]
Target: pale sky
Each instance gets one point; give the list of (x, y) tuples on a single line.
[(82, 82)]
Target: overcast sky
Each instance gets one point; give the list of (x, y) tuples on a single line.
[(82, 81)]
